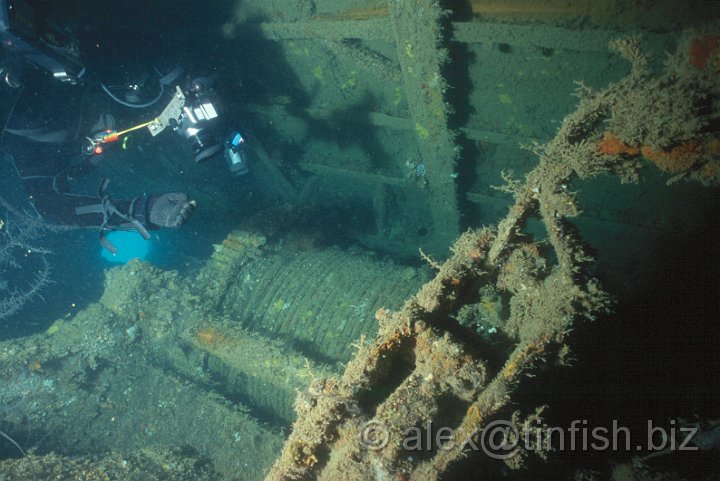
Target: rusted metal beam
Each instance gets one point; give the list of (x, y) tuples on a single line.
[(418, 37), (465, 32)]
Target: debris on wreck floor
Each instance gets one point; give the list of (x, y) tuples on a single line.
[(144, 464), (174, 362)]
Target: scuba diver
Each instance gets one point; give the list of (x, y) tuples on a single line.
[(50, 147)]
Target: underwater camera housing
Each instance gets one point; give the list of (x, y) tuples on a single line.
[(195, 114), (200, 121)]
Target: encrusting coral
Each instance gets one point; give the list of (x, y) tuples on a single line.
[(669, 118), (417, 359), (680, 158)]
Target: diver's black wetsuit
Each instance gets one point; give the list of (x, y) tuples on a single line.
[(44, 138), (44, 147), (44, 134)]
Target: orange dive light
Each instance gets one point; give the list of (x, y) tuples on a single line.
[(110, 136), (95, 144)]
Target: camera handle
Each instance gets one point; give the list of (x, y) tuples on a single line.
[(170, 115)]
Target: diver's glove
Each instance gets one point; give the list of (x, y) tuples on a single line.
[(171, 209)]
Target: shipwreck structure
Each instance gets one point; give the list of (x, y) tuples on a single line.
[(285, 358)]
